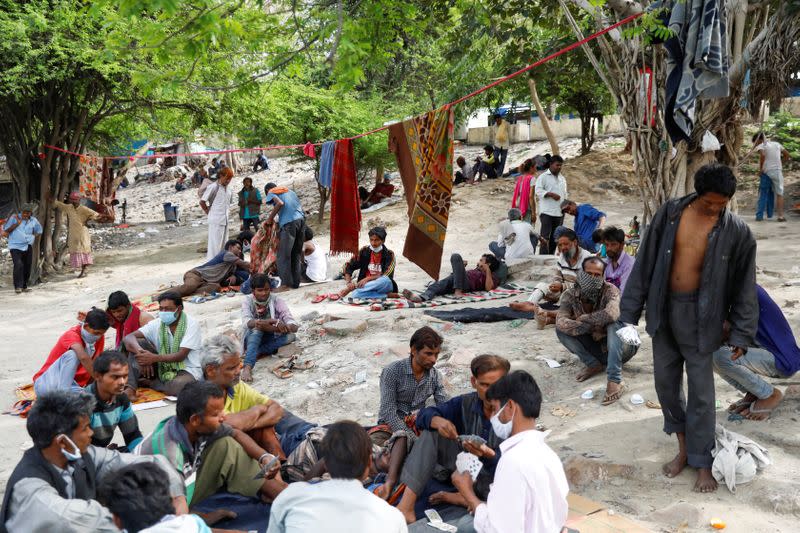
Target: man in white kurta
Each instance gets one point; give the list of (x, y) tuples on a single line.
[(216, 203)]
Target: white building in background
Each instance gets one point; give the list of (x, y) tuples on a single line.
[(525, 128)]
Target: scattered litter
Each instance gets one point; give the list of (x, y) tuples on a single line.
[(588, 394), (368, 414), (312, 385), (360, 377), (636, 399), (151, 230), (653, 405), (517, 322), (141, 235), (562, 411), (360, 386), (552, 363), (593, 455), (148, 405), (716, 523)]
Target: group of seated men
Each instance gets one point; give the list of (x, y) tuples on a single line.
[(226, 436)]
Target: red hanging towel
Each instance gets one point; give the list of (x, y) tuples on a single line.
[(345, 207), (308, 149), (423, 146)]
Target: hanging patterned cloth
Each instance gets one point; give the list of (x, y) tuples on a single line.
[(345, 204), (423, 147), (91, 173)]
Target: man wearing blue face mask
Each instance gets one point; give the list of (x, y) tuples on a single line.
[(527, 496), (164, 353), (54, 486), (69, 364)]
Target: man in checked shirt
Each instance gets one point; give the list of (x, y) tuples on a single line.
[(407, 384)]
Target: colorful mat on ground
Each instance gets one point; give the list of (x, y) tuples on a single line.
[(505, 291), (26, 396)]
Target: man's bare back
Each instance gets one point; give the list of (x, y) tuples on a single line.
[(691, 242)]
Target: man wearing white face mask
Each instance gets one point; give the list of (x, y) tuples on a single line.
[(69, 365), (54, 486), (375, 265), (164, 353), (527, 496)]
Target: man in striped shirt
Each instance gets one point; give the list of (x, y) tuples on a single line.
[(113, 408)]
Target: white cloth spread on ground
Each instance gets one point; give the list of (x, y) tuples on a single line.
[(737, 459)]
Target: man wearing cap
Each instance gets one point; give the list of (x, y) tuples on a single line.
[(79, 241), (22, 229), (287, 209)]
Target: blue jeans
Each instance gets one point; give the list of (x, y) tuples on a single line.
[(590, 351), (501, 154), (375, 289), (744, 373), (766, 198), (257, 342), (60, 375), (291, 430)]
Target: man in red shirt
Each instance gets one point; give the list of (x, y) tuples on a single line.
[(69, 365), (481, 278)]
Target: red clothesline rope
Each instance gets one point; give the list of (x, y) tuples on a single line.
[(382, 128)]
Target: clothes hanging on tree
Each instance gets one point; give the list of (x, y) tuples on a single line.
[(423, 146), (345, 204), (91, 173), (697, 61), (326, 164)]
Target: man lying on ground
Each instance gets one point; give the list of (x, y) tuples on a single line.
[(619, 264), (163, 355), (340, 504), (267, 323), (112, 408), (209, 454), (438, 444), (408, 383), (375, 265), (125, 317), (219, 271), (570, 259), (69, 365), (527, 495), (516, 240), (481, 278), (587, 325), (139, 501), (776, 356), (587, 220), (245, 408), (53, 487)]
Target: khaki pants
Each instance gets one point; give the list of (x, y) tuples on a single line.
[(193, 282), (226, 465)]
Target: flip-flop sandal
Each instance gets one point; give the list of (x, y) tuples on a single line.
[(753, 411), (334, 297), (283, 373), (319, 298), (608, 399), (305, 365), (739, 406)]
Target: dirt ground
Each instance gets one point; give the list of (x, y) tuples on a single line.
[(624, 441)]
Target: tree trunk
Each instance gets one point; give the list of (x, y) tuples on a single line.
[(543, 117)]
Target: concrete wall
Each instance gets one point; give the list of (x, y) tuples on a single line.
[(523, 132)]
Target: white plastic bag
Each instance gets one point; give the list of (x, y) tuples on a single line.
[(710, 143), (629, 335)]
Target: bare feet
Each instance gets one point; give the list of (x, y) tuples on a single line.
[(247, 374), (742, 404), (406, 505), (213, 517), (458, 293), (83, 273), (452, 498), (527, 307), (411, 297), (762, 409), (705, 481), (676, 466), (588, 372)]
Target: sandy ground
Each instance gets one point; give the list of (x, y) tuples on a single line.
[(622, 434)]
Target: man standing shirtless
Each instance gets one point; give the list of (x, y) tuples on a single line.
[(696, 263)]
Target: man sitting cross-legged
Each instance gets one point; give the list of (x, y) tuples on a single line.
[(164, 354), (139, 501), (267, 323), (481, 278), (69, 365), (246, 409), (375, 265), (529, 492), (340, 504), (208, 453), (112, 409), (54, 485), (570, 259), (219, 271), (408, 383), (587, 325), (776, 356), (440, 426)]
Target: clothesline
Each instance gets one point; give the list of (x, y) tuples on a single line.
[(485, 88)]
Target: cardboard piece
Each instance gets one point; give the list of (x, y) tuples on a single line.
[(587, 516)]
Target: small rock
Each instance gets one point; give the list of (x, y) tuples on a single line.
[(677, 515), (582, 471), (344, 327), (308, 317), (312, 385)]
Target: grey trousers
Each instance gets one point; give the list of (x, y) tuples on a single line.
[(675, 345), (448, 285), (430, 450), (290, 253)]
